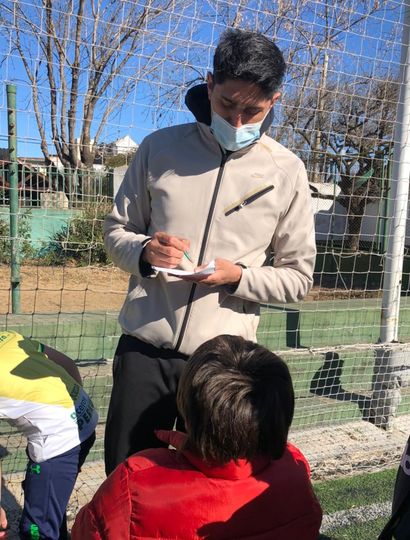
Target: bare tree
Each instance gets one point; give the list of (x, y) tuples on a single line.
[(80, 57), (360, 145), (313, 60), (355, 142), (341, 125)]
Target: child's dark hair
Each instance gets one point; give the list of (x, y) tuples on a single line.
[(249, 56), (237, 400)]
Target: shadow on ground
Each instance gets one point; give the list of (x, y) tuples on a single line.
[(326, 383)]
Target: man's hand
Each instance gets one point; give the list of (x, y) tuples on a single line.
[(226, 273), (165, 250), (3, 524)]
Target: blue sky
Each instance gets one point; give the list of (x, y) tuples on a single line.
[(372, 47)]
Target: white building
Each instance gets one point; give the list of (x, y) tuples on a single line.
[(124, 145)]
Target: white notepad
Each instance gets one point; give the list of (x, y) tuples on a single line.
[(209, 269)]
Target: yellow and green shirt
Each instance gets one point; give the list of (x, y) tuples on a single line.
[(41, 399)]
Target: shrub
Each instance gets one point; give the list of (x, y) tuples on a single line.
[(81, 242), (25, 248)]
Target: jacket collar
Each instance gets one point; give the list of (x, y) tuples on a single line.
[(234, 470), (198, 103)]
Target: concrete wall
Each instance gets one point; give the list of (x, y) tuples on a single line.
[(44, 223), (332, 224)]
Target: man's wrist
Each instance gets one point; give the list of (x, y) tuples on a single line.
[(240, 267), (145, 267), (233, 286)]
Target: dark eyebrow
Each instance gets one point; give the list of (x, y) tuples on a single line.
[(253, 107), (247, 107), (227, 99)]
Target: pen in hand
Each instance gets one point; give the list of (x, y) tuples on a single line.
[(187, 255)]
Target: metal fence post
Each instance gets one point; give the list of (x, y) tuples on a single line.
[(14, 199), (392, 365)]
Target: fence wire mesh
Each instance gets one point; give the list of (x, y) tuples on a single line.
[(93, 78)]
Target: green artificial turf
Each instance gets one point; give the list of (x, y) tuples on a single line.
[(360, 490), (356, 492), (362, 531)]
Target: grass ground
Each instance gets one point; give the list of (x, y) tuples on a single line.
[(363, 531), (356, 508)]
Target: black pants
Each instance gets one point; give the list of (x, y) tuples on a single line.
[(143, 398), (398, 526)]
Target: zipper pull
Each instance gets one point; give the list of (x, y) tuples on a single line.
[(249, 200)]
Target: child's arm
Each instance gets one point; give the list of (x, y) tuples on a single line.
[(3, 524), (107, 516), (86, 527), (65, 362)]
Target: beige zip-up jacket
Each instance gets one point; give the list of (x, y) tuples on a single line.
[(242, 207)]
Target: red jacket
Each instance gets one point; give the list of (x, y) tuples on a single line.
[(167, 494)]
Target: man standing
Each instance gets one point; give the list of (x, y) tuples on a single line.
[(215, 190)]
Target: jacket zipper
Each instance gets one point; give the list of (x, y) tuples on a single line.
[(202, 250), (249, 200)]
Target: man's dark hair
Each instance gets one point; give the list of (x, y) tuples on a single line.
[(249, 56), (237, 401)]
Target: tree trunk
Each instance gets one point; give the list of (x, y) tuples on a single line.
[(354, 225)]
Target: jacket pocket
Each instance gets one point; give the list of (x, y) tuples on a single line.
[(248, 199)]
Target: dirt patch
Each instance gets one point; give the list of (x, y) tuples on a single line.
[(324, 293), (54, 289)]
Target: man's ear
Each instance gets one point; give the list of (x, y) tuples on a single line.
[(209, 83), (275, 98)]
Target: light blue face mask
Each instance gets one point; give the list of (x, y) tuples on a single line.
[(234, 138)]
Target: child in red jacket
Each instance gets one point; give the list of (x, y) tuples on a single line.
[(231, 476)]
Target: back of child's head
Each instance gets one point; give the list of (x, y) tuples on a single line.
[(237, 400)]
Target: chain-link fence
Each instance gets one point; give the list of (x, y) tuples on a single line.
[(94, 77)]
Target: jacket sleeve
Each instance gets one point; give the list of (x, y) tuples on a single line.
[(85, 526), (125, 228), (310, 509), (107, 515), (290, 277)]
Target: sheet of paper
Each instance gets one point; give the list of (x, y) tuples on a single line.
[(209, 269)]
